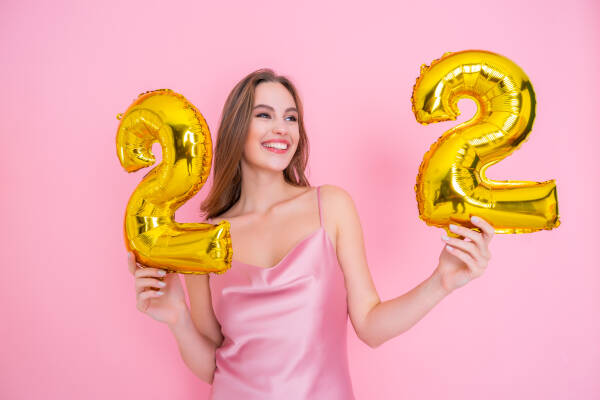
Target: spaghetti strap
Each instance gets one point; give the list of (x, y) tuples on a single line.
[(319, 204)]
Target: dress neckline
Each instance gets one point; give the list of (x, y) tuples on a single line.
[(292, 250), (321, 228)]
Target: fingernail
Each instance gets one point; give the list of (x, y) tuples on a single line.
[(475, 219), (162, 272), (452, 227), (445, 236)]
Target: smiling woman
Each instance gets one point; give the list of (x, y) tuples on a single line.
[(274, 325), (278, 146), (243, 118), (282, 311)]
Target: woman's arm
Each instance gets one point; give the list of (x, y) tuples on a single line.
[(197, 330), (197, 351), (375, 321), (390, 318), (201, 309), (168, 305)]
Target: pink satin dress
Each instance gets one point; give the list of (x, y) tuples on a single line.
[(284, 327)]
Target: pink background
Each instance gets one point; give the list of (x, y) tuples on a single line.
[(527, 329)]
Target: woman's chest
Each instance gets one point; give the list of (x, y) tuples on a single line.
[(308, 283)]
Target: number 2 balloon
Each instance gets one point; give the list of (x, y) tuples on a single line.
[(149, 227), (451, 183)]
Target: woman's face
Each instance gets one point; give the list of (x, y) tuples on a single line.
[(273, 133)]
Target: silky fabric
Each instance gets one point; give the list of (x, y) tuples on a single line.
[(284, 327)]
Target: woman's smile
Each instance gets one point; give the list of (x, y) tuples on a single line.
[(277, 146)]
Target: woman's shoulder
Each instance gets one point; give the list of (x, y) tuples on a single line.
[(335, 200), (334, 194)]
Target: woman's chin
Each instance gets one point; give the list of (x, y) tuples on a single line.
[(277, 167), (269, 165), (274, 163)]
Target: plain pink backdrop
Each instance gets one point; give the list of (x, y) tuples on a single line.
[(527, 329)]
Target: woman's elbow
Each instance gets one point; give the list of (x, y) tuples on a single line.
[(370, 341), (373, 344)]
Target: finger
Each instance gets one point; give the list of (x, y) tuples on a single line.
[(468, 247), (147, 294), (467, 259), (142, 284), (477, 250), (469, 233), (144, 299), (142, 304), (131, 262), (150, 272), (487, 229)]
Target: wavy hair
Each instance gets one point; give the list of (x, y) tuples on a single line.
[(233, 130)]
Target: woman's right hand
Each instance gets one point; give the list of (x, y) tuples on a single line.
[(164, 305)]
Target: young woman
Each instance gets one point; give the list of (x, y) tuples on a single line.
[(273, 326)]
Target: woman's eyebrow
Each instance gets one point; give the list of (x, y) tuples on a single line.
[(272, 109)]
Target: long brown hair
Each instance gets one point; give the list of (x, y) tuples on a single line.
[(233, 130)]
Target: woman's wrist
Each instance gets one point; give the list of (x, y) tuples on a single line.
[(438, 282)]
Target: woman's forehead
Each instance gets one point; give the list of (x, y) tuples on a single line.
[(273, 94)]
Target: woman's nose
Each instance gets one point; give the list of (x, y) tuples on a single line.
[(280, 129)]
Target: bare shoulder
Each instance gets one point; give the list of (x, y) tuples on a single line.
[(337, 205), (334, 197)]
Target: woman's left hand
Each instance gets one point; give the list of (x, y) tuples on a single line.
[(463, 260)]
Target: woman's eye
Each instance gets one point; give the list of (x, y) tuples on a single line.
[(261, 115)]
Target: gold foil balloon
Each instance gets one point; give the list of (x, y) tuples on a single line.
[(150, 229), (451, 183)]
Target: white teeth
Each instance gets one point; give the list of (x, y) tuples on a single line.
[(276, 145)]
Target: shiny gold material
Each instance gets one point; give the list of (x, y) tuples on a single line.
[(451, 183), (150, 229)]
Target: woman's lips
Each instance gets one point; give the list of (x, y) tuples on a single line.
[(275, 150), (276, 145)]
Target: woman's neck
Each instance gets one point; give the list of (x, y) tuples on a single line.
[(261, 190)]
